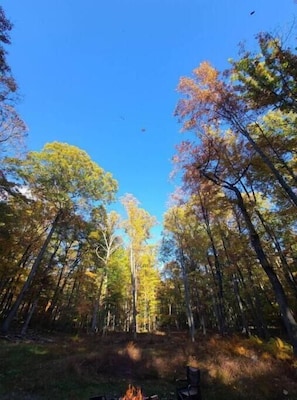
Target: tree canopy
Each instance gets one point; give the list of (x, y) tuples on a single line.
[(227, 261)]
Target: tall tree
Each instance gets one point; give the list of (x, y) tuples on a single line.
[(149, 284), (106, 242), (211, 100), (12, 128), (67, 181), (268, 78), (177, 222), (137, 226), (215, 161)]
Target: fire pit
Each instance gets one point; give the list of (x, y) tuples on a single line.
[(135, 393), (132, 393)]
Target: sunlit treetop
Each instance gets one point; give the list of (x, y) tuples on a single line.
[(268, 78), (66, 176)]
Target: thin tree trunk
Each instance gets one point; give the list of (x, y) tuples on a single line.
[(218, 276), (199, 308), (29, 317), (134, 293), (286, 187), (245, 326), (14, 309), (94, 325), (286, 313), (286, 268), (187, 297), (252, 292), (240, 307), (254, 303)]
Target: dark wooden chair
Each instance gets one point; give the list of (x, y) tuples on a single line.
[(190, 390)]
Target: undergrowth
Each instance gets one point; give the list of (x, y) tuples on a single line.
[(76, 368)]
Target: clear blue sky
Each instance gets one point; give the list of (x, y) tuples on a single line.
[(96, 73)]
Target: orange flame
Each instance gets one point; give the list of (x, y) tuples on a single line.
[(133, 393)]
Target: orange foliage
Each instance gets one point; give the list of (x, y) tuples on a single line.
[(208, 98)]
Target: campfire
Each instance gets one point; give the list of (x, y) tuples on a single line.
[(135, 393), (132, 393)]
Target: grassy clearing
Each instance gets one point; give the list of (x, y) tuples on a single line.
[(78, 367)]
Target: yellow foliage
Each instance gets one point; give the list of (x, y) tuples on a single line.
[(94, 235), (241, 351), (256, 340), (91, 274), (280, 349), (279, 343)]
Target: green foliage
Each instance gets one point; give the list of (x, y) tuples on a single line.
[(65, 175), (268, 78)]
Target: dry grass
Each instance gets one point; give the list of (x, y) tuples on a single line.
[(78, 367)]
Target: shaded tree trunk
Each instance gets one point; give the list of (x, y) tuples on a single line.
[(217, 274), (14, 309), (286, 312), (134, 293), (189, 312), (94, 324), (286, 268), (278, 176), (29, 316)]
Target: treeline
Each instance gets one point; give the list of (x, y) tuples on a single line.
[(67, 262), (64, 263), (227, 261), (232, 229)]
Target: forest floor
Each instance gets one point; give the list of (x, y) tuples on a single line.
[(43, 367)]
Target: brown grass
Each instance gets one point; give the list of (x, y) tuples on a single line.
[(268, 370), (232, 367)]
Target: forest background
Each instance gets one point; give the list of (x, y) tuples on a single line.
[(227, 259)]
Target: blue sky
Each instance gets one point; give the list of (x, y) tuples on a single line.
[(102, 75)]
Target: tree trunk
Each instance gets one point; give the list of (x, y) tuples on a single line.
[(286, 313), (14, 309), (187, 297), (200, 310), (94, 324), (286, 268), (29, 316), (134, 293), (218, 276), (286, 187)]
